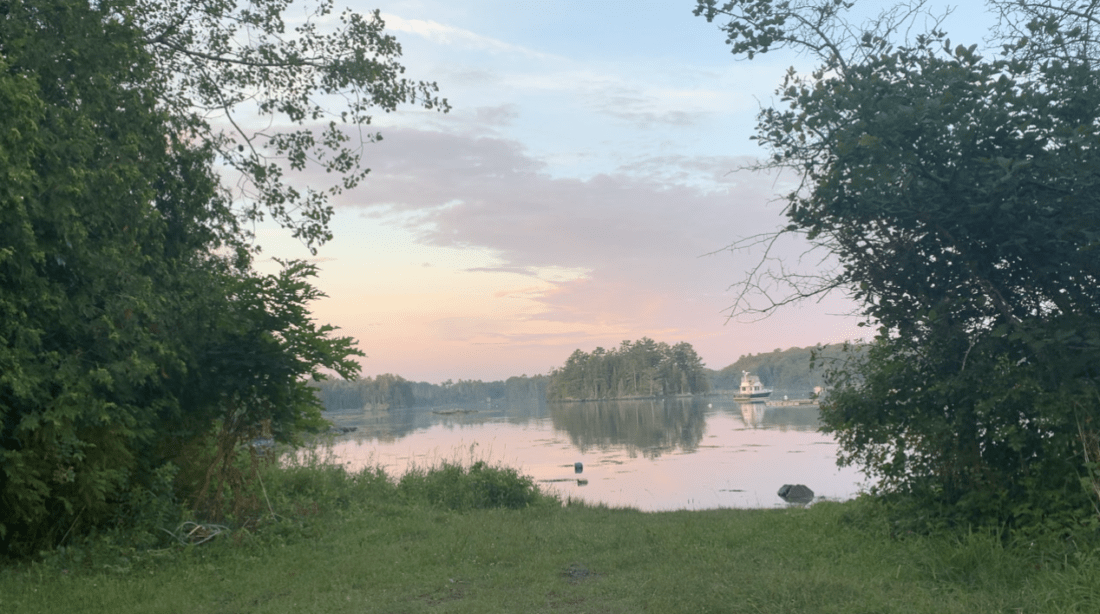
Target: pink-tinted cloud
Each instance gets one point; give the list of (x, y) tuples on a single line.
[(640, 236)]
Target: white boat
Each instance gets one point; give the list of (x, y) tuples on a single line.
[(751, 388)]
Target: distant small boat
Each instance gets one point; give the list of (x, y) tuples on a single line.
[(751, 388)]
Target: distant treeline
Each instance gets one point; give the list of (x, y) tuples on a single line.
[(782, 370), (643, 368), (639, 369), (388, 391)]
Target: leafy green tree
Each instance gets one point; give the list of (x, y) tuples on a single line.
[(217, 63), (1066, 30), (132, 326), (524, 388), (794, 371), (960, 196), (644, 368), (83, 152), (387, 390)]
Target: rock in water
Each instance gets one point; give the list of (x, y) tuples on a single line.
[(797, 493)]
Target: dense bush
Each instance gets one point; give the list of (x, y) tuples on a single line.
[(958, 194), (482, 486), (133, 329)]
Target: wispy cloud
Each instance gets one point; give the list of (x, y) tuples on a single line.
[(640, 239), (522, 260), (644, 109), (443, 34), (568, 200)]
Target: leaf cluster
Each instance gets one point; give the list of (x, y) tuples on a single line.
[(959, 195), (639, 369), (480, 486), (133, 329), (945, 182), (316, 81)]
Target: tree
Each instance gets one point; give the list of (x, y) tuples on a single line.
[(959, 195), (644, 368), (217, 62), (132, 325), (1067, 30), (83, 152)]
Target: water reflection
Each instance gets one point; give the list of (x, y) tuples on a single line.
[(693, 452), (394, 424), (796, 416), (652, 426), (753, 414)]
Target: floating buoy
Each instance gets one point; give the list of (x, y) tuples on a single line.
[(578, 467)]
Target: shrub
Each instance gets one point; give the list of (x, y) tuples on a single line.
[(451, 486)]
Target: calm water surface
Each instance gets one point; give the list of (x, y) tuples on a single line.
[(684, 453)]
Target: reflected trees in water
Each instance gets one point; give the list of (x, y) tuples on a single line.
[(652, 426)]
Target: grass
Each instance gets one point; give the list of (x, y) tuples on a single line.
[(483, 539)]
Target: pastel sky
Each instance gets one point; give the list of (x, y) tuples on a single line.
[(580, 193)]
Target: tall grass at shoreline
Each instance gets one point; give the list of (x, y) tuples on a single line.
[(479, 537)]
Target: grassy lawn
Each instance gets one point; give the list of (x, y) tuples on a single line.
[(355, 544)]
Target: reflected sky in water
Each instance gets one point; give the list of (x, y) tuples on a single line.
[(683, 453)]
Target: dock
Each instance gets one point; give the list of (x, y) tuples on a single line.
[(790, 402)]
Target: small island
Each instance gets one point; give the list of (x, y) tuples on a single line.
[(635, 370)]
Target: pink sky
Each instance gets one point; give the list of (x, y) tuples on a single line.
[(462, 258), (570, 199)]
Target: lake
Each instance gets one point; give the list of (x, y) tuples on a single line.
[(664, 454)]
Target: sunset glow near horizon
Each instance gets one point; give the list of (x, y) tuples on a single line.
[(580, 193)]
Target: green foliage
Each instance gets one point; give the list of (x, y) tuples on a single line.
[(481, 486), (458, 392), (393, 391), (374, 557), (985, 445), (960, 196), (755, 26), (798, 370), (644, 368), (244, 58), (80, 277), (253, 350), (132, 327), (146, 509), (384, 391), (515, 388), (306, 486)]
